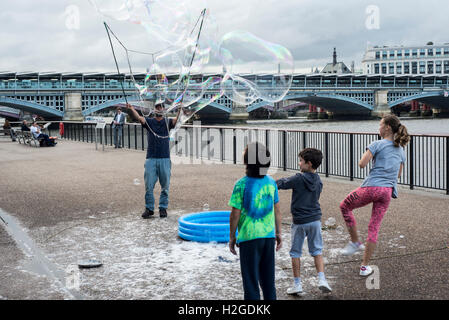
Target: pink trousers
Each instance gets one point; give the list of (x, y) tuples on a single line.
[(360, 197)]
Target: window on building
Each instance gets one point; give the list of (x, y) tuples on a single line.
[(429, 67), (438, 52), (384, 54), (399, 54), (399, 68), (438, 68), (415, 67), (391, 53), (422, 52), (406, 67), (407, 53), (391, 68), (446, 66), (446, 51), (377, 55), (422, 67), (415, 53), (430, 52), (384, 68), (376, 68)]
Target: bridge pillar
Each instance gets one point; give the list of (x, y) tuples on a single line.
[(381, 107), (313, 113), (72, 106)]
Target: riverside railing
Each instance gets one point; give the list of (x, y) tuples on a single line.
[(427, 164)]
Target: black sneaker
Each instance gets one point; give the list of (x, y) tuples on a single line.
[(148, 213), (162, 213)]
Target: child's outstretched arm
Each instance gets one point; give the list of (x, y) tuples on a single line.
[(286, 183), (233, 222)]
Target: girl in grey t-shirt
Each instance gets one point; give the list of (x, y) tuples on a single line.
[(388, 159)]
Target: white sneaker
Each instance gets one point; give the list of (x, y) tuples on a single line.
[(352, 248), (366, 271), (296, 289), (324, 286)]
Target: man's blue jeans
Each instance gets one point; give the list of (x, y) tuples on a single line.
[(118, 135), (157, 169)]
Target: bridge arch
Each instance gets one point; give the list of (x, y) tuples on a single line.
[(109, 103), (331, 102), (436, 98), (31, 107)]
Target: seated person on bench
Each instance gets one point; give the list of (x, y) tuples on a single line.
[(36, 131)]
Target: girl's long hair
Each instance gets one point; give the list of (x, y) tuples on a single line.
[(401, 136)]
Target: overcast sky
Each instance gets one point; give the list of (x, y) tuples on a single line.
[(41, 35)]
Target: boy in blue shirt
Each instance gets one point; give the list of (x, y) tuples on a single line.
[(306, 211)]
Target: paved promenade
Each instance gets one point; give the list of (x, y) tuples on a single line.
[(75, 202)]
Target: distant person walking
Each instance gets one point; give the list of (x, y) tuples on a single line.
[(117, 126), (378, 188)]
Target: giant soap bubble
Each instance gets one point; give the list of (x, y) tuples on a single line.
[(187, 66)]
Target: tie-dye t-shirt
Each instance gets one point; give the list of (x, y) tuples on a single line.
[(255, 197)]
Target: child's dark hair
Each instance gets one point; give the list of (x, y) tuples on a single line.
[(313, 155), (401, 136), (257, 159)]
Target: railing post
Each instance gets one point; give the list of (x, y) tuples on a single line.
[(221, 145), (267, 139), (326, 152), (234, 146), (135, 137), (284, 150), (304, 140), (351, 156), (447, 165), (143, 139), (412, 163), (129, 136)]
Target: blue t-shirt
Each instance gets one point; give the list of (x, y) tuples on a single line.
[(387, 161), (255, 197), (158, 147)]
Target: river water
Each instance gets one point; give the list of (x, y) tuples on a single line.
[(414, 125)]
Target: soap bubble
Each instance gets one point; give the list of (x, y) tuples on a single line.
[(330, 222), (206, 207), (136, 182), (268, 67), (340, 230)]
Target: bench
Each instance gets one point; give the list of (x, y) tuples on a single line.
[(28, 138), (5, 133)]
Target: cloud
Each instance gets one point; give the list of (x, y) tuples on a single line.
[(35, 35)]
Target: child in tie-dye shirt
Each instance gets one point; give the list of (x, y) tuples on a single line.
[(256, 213)]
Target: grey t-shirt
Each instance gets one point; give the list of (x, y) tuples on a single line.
[(387, 161)]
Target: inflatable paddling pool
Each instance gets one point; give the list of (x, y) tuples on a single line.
[(206, 226)]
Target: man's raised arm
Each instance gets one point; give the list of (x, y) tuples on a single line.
[(133, 114)]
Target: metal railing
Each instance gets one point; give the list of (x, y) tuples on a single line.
[(426, 166)]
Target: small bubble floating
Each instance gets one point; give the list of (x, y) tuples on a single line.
[(206, 226)]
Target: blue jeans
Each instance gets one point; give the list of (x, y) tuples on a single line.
[(157, 169), (118, 129)]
